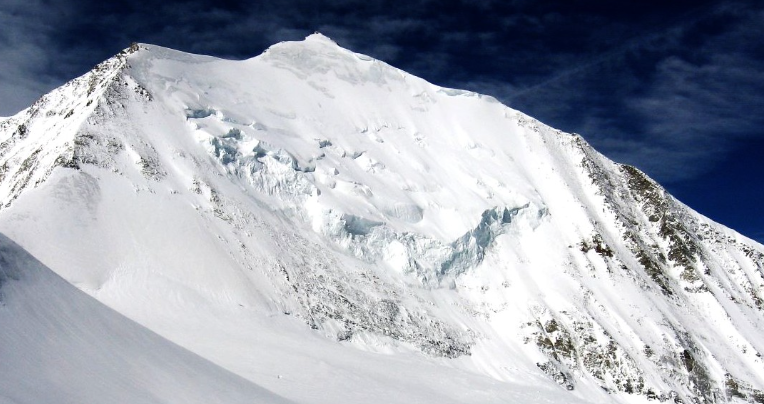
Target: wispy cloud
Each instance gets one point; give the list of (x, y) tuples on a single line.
[(23, 56), (698, 103), (34, 55), (695, 112), (671, 101)]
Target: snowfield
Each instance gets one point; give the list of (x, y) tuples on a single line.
[(61, 345), (315, 226)]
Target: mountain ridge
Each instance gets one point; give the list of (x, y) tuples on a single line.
[(384, 212)]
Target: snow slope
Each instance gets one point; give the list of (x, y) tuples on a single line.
[(59, 345), (312, 217)]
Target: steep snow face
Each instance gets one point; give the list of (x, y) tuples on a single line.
[(199, 196)]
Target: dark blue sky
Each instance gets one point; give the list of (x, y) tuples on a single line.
[(675, 89)]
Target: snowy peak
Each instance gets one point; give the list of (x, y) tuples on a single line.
[(382, 213), (319, 37), (349, 106), (319, 55)]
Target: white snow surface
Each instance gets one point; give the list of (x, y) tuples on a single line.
[(333, 229), (61, 345)]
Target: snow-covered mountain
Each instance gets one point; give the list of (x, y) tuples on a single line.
[(317, 225)]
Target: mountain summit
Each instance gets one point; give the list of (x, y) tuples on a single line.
[(330, 228)]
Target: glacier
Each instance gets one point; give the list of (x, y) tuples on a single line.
[(318, 226)]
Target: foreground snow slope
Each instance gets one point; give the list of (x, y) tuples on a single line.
[(59, 345), (318, 215)]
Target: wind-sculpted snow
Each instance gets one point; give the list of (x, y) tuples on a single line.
[(313, 210)]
